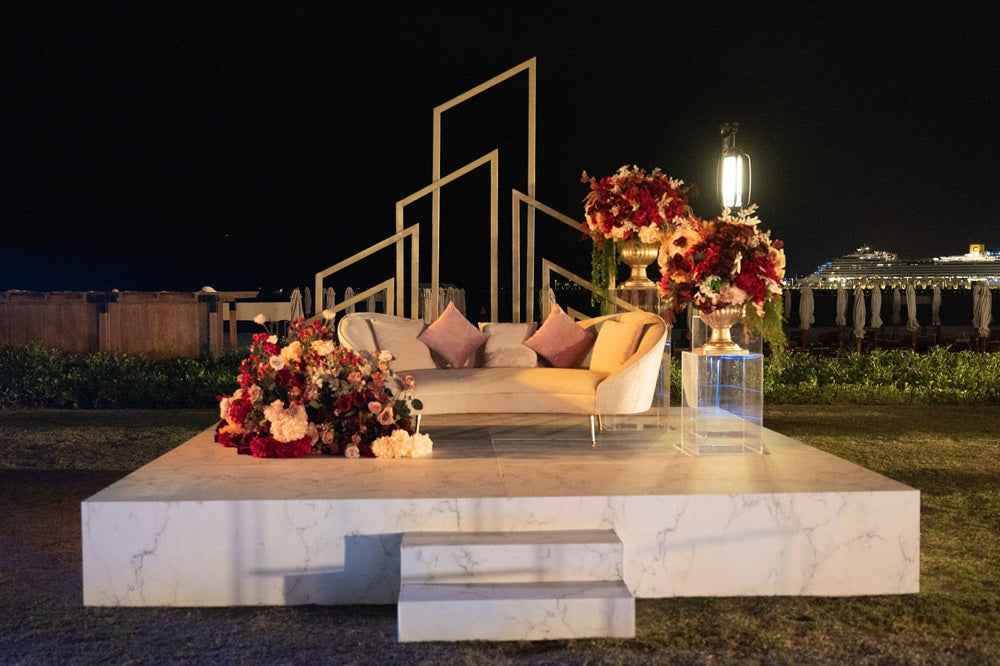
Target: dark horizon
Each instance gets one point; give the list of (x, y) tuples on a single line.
[(156, 148)]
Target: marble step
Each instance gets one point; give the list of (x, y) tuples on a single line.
[(514, 557), (515, 611)]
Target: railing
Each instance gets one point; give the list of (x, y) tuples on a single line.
[(518, 198), (388, 288), (491, 158), (393, 295), (529, 67), (549, 267)]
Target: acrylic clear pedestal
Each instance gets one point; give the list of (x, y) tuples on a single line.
[(722, 403)]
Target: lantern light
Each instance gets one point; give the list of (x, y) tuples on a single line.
[(734, 170)]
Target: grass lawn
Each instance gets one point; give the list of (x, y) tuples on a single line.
[(51, 460)]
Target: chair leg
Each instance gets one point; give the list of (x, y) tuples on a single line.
[(596, 423), (418, 423)]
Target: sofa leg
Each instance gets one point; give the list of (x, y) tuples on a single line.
[(418, 423), (595, 425)]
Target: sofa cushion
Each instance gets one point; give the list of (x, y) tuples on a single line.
[(615, 344), (453, 337), (560, 340), (399, 336), (505, 347)]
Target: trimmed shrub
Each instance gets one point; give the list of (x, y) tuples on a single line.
[(880, 377), (35, 376)]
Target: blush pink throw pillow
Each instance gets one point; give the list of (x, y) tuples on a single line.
[(560, 340), (453, 337)]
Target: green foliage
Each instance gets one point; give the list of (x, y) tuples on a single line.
[(35, 376), (885, 377), (604, 257), (880, 377), (771, 325)]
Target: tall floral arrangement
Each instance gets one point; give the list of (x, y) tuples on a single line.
[(311, 394), (629, 204), (725, 261), (632, 203)]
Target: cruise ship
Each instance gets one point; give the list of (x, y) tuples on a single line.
[(870, 268)]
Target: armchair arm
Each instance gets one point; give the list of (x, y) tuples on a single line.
[(630, 390)]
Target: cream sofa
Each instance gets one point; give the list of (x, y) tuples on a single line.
[(627, 389)]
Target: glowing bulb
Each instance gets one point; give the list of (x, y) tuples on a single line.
[(732, 181)]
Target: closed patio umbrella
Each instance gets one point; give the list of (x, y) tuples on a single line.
[(859, 313), (296, 303), (841, 307), (896, 306), (982, 310), (936, 307), (329, 298), (307, 301), (425, 305), (806, 318), (911, 309), (349, 294), (876, 322)]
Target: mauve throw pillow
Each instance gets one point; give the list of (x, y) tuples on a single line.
[(453, 337), (560, 340)]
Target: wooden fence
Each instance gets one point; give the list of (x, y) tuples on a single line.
[(155, 324)]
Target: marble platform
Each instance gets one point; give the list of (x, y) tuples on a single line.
[(203, 526), (502, 586)]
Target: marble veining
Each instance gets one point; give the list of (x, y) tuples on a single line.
[(204, 526)]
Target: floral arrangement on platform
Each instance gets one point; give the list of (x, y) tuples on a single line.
[(312, 394), (722, 262), (632, 203)]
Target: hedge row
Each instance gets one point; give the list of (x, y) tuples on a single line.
[(34, 376), (881, 376)]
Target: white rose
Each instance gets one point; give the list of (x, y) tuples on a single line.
[(421, 445), (323, 347), (352, 451), (277, 362), (287, 424), (650, 234), (382, 448), (260, 319), (400, 442), (328, 314), (224, 409)]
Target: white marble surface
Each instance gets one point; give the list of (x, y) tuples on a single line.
[(510, 557), (204, 526), (513, 586), (528, 611)]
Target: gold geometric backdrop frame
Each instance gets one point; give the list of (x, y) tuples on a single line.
[(394, 289)]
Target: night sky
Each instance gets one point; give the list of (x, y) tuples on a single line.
[(169, 146)]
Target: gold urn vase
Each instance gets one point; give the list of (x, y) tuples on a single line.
[(637, 256), (721, 322)]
